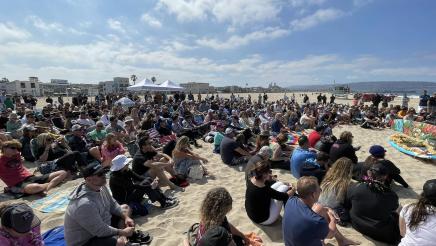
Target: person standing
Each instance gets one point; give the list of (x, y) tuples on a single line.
[(405, 101), (423, 102)]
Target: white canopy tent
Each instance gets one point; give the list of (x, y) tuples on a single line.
[(168, 85), (144, 85)]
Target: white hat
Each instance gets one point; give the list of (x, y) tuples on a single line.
[(228, 131), (119, 162)]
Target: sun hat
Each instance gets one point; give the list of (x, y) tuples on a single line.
[(127, 119), (20, 218), (429, 189), (94, 168), (377, 151), (119, 162)]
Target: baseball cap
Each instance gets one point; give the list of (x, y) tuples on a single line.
[(76, 127), (94, 168), (19, 217), (377, 150), (228, 131), (429, 189), (119, 162)]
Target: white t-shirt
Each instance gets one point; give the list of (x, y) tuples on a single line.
[(423, 235)]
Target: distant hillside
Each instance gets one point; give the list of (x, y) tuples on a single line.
[(411, 87)]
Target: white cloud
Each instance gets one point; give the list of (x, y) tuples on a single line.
[(151, 21), (320, 16), (177, 46), (237, 12), (8, 31), (40, 24), (115, 25), (301, 3), (236, 41)]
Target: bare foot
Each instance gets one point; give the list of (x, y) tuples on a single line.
[(44, 193)]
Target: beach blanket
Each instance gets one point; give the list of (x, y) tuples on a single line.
[(423, 156), (55, 202), (54, 237)]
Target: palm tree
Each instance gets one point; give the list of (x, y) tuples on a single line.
[(133, 78), (153, 79)]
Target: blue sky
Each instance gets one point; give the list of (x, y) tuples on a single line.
[(223, 42)]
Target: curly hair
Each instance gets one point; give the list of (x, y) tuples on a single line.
[(214, 207)]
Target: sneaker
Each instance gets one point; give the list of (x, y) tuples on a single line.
[(140, 238), (170, 204)]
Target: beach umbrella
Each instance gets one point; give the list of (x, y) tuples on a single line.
[(168, 85), (125, 102)]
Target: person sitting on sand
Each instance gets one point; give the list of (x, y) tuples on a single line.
[(335, 185), (262, 155), (148, 162), (306, 222), (378, 155), (93, 217), (13, 125), (302, 157), (218, 137), (281, 152), (53, 148), (18, 178), (214, 226), (19, 225), (264, 200), (343, 148), (231, 153), (418, 220), (374, 207), (129, 188), (110, 148), (185, 159)]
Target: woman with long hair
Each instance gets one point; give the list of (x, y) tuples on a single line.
[(336, 182), (418, 220), (214, 208), (184, 158)]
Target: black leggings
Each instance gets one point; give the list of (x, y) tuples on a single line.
[(280, 164), (154, 195), (69, 160)]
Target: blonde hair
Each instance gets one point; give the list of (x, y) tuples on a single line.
[(338, 178), (215, 207)]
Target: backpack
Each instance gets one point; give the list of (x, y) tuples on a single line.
[(192, 235)]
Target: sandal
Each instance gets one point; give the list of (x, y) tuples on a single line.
[(170, 204), (140, 237)]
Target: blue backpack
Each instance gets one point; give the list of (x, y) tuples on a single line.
[(54, 237)]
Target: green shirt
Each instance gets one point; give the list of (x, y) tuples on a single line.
[(97, 136), (218, 138)]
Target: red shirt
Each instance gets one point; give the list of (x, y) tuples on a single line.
[(314, 137), (12, 170)]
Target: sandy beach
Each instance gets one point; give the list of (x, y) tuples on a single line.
[(168, 226)]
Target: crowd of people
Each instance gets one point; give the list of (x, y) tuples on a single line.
[(126, 155)]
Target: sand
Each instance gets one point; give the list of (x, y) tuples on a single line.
[(168, 226)]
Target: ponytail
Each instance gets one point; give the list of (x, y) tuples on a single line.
[(423, 208)]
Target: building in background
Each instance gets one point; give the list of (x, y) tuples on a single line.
[(117, 85), (195, 87), (22, 87), (56, 87)]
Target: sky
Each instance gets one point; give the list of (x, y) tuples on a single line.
[(223, 42)]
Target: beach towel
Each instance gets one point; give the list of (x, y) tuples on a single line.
[(53, 203), (54, 237)]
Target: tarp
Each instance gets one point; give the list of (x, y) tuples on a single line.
[(168, 85), (144, 85)]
